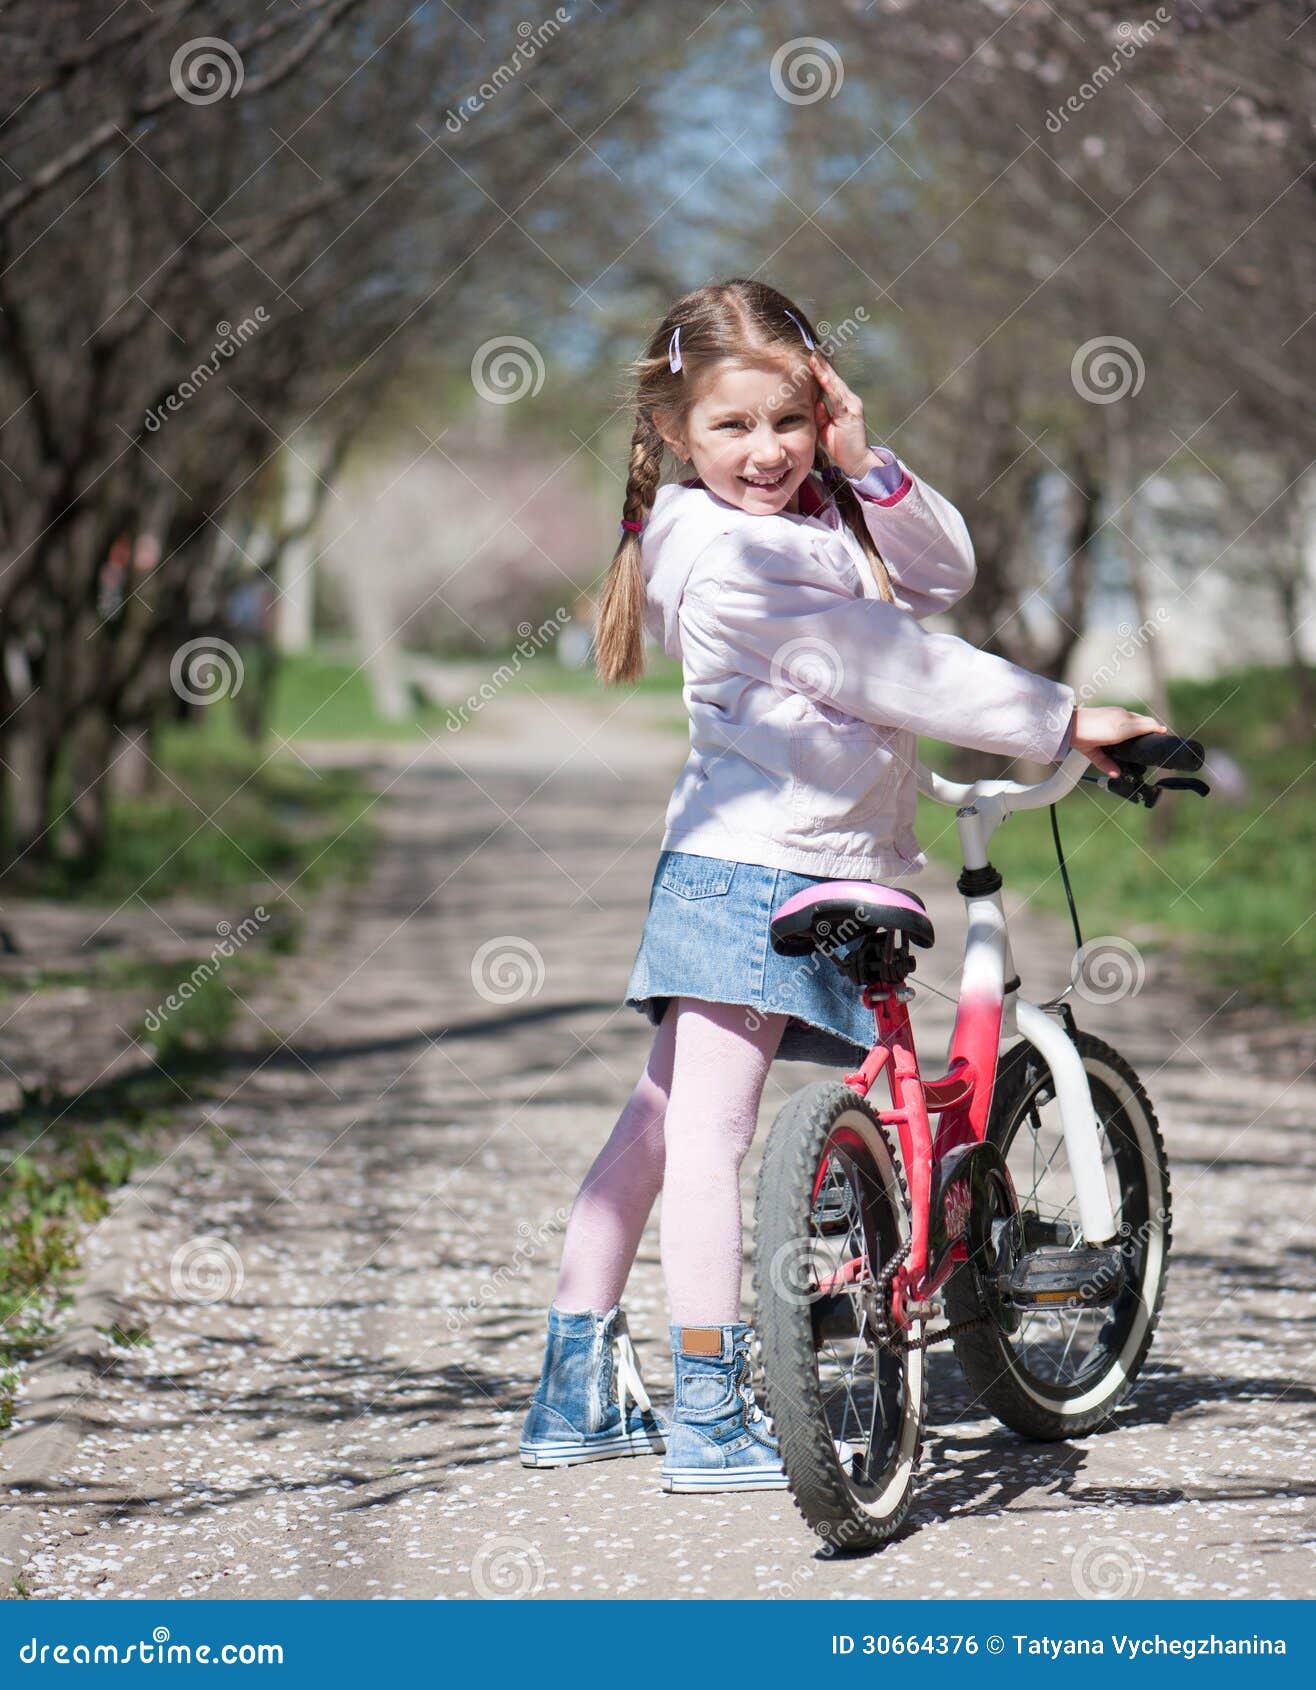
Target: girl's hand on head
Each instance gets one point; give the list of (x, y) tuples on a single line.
[(840, 418), (1108, 724)]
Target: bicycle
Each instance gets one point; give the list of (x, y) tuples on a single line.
[(1051, 1298)]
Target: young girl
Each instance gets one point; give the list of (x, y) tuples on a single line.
[(789, 574)]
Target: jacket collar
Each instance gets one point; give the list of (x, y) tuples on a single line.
[(813, 498)]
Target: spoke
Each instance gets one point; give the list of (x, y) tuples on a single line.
[(1046, 1169), (1066, 1345), (847, 1398), (1078, 1321), (852, 1245)]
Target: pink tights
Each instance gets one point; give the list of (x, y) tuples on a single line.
[(686, 1128)]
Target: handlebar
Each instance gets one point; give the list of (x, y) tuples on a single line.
[(1157, 751), (1144, 751), (1019, 796)]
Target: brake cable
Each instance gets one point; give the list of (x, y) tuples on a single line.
[(1129, 784), (1064, 876)]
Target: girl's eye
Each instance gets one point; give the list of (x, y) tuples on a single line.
[(792, 421)]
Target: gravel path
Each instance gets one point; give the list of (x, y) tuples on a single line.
[(345, 1266)]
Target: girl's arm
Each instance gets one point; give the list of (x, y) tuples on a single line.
[(748, 607), (887, 482), (922, 537)]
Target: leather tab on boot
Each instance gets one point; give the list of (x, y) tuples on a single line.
[(701, 1340)]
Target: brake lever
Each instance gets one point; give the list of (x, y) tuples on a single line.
[(1130, 784)]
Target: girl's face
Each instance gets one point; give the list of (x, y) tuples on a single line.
[(750, 433)]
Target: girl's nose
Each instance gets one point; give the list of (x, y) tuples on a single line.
[(767, 458)]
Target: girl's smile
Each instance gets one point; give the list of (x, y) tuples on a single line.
[(750, 434), (768, 484)]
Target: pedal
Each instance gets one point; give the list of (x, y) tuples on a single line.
[(1055, 1276), (834, 1208)]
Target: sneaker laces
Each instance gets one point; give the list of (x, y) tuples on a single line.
[(627, 1371), (744, 1389)]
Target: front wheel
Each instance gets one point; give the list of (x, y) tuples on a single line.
[(846, 1396), (1062, 1373)]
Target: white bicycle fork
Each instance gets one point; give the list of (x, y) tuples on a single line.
[(988, 964)]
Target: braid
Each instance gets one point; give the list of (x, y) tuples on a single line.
[(644, 469), (618, 646), (849, 508), (732, 319)]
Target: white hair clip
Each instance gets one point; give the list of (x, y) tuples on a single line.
[(674, 350), (808, 339)]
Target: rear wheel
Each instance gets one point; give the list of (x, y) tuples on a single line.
[(1061, 1373), (832, 1215)]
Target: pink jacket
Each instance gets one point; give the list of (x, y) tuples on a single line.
[(806, 691)]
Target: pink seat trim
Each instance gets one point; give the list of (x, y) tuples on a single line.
[(862, 891)]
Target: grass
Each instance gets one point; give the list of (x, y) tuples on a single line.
[(661, 675), (221, 820), (61, 1160), (322, 697), (221, 827), (1233, 881), (55, 1180)]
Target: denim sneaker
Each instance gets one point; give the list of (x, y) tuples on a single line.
[(579, 1412), (719, 1439)]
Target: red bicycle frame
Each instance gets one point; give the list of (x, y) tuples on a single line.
[(946, 1173)]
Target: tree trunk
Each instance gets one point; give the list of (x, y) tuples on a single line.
[(85, 824), (1157, 695), (33, 759)]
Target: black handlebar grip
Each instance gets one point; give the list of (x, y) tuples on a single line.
[(1157, 751)]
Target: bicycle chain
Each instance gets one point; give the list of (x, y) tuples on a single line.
[(887, 1337)]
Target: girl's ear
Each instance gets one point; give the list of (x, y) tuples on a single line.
[(673, 438)]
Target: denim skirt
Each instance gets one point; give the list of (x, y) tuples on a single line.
[(706, 936)]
